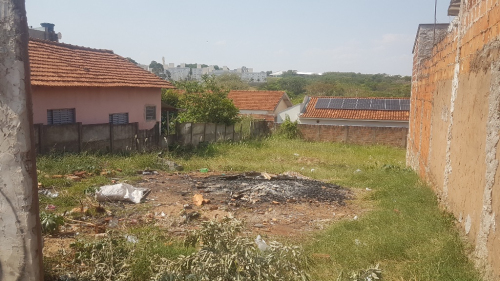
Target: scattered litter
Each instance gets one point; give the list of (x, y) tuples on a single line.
[(121, 192), (321, 256), (113, 223), (131, 239), (149, 172), (355, 218), (172, 166), (48, 193), (296, 154), (312, 170), (261, 244), (163, 214), (198, 200), (357, 171), (204, 170), (368, 189), (50, 207), (357, 242), (187, 206)]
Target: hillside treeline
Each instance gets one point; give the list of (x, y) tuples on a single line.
[(346, 84)]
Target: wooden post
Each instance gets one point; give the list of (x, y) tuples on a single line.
[(20, 231)]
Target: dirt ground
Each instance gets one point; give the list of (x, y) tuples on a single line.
[(286, 205)]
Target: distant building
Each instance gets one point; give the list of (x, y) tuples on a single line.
[(181, 72)]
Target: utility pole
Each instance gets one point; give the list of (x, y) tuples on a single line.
[(20, 237)]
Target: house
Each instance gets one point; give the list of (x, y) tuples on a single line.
[(73, 84), (343, 111), (260, 104)]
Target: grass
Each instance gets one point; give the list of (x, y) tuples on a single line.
[(406, 232)]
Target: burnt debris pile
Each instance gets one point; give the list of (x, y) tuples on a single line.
[(263, 187)]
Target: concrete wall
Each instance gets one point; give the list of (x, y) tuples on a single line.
[(93, 105), (196, 133), (20, 237), (392, 136), (455, 124), (95, 137)]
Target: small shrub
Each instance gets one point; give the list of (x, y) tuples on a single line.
[(50, 222), (289, 129), (224, 255)]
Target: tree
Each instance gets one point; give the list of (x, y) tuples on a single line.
[(206, 102), (131, 60), (157, 68), (231, 81)]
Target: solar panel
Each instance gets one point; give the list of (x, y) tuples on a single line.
[(363, 104), (322, 103), (336, 103)]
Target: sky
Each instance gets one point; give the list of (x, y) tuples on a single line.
[(363, 36)]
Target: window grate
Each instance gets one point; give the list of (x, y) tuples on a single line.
[(118, 118), (61, 116), (150, 113)]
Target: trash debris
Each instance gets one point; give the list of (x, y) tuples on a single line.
[(149, 172), (50, 207), (131, 239), (368, 189), (321, 256), (198, 200), (172, 166), (296, 154), (204, 170), (48, 193), (357, 171), (261, 244), (121, 192), (355, 218)]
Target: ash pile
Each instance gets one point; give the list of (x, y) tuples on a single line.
[(256, 187)]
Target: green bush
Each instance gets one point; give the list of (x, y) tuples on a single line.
[(289, 129), (50, 223), (224, 255)]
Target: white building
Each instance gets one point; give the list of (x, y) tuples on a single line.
[(181, 72)]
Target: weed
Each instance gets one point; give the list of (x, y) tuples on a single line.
[(224, 255), (50, 222)]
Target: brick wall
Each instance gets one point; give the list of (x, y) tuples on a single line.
[(455, 123), (355, 134)]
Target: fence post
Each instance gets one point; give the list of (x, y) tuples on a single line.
[(40, 138), (80, 138), (204, 131), (111, 137)]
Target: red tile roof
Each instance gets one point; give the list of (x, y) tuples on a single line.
[(258, 100), (394, 115), (58, 64)]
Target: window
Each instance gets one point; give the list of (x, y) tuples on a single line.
[(150, 113), (61, 116), (118, 118)]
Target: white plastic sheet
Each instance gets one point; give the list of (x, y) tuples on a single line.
[(121, 192)]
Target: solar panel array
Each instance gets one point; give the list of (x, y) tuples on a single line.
[(365, 104)]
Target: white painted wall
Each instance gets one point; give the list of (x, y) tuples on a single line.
[(292, 112), (346, 122)]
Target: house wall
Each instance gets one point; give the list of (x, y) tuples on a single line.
[(455, 124), (281, 106), (345, 122), (392, 136), (94, 104), (292, 112)]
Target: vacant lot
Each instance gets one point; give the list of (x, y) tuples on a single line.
[(350, 207)]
